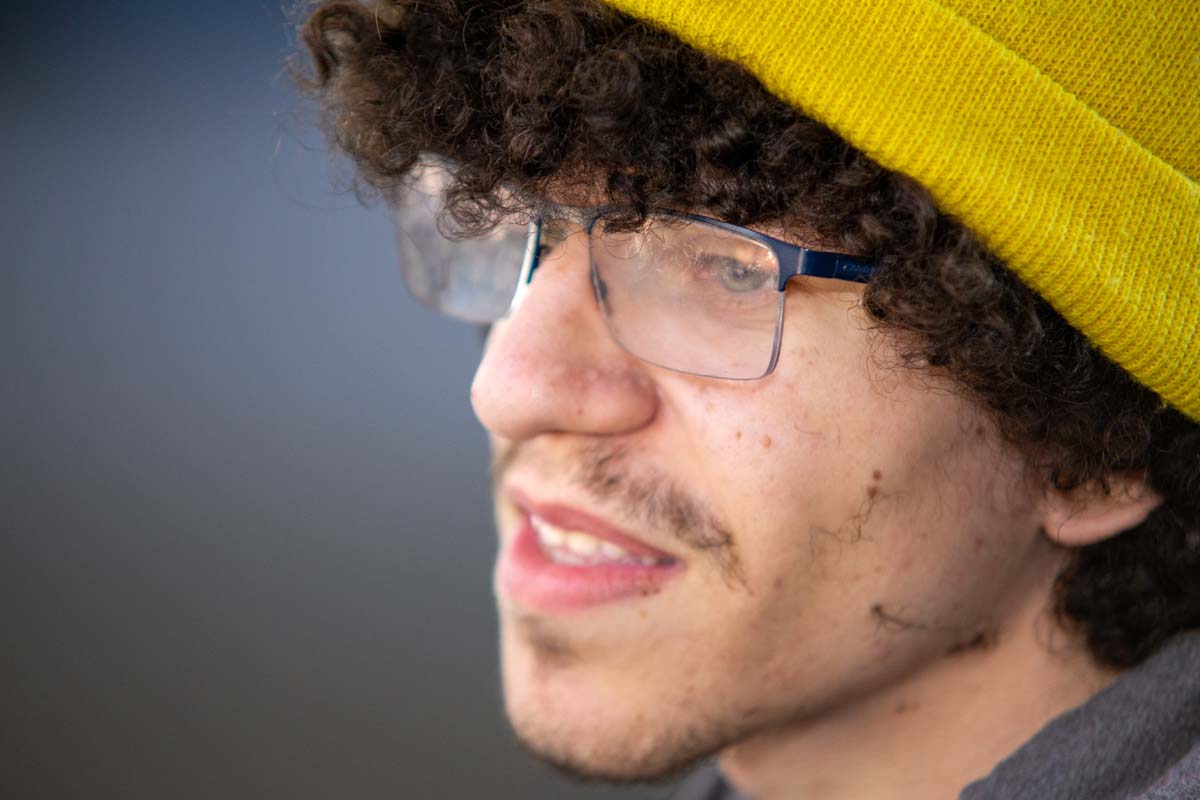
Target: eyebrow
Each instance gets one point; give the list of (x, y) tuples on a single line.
[(542, 206)]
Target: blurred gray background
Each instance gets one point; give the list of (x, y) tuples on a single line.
[(246, 541)]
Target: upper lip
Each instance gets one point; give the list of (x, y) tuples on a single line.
[(572, 519)]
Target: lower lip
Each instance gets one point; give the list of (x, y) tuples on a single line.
[(527, 576)]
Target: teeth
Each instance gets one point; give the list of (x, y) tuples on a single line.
[(548, 534), (582, 545), (613, 551), (580, 549), (568, 558)]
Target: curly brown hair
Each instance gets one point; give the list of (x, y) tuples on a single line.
[(554, 96)]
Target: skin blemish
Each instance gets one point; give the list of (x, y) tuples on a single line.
[(983, 640), (738, 435), (766, 442), (893, 621), (906, 706), (873, 490), (778, 583)]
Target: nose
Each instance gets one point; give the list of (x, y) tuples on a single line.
[(552, 367)]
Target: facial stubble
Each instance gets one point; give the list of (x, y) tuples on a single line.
[(670, 740)]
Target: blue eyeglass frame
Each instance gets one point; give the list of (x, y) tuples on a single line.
[(793, 259)]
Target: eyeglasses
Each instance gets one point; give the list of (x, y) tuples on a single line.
[(681, 291)]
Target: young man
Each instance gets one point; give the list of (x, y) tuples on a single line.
[(872, 482)]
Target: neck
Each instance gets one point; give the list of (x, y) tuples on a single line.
[(932, 734)]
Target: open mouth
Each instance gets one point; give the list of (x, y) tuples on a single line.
[(579, 549), (562, 559)]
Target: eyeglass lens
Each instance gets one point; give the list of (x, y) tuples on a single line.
[(689, 296), (471, 279)]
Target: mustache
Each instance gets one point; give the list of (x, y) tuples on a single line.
[(646, 497)]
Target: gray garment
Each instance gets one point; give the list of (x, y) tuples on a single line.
[(706, 783), (1139, 739)]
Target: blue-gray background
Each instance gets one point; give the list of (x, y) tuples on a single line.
[(246, 539)]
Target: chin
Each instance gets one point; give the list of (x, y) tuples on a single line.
[(620, 771), (598, 725), (609, 750)]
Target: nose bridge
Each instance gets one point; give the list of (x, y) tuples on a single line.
[(560, 237), (552, 366), (558, 289)]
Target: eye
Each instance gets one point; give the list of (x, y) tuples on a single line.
[(734, 275)]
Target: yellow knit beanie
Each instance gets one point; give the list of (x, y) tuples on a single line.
[(1063, 132)]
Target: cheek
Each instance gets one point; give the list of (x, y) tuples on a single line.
[(755, 430), (777, 468), (951, 545)]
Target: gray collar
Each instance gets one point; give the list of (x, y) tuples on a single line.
[(1136, 735)]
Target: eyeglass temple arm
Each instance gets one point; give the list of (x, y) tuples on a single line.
[(831, 265), (529, 264)]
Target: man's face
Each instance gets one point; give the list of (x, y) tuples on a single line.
[(833, 530)]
